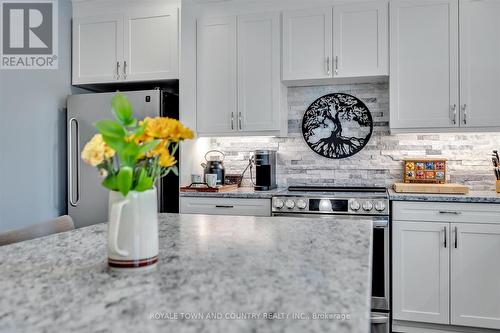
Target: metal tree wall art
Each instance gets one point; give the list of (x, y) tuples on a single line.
[(337, 125)]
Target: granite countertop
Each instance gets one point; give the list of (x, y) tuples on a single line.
[(229, 266), (242, 192), (471, 197)]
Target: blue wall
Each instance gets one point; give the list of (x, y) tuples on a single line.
[(33, 137)]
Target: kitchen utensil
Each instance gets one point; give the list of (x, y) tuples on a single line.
[(431, 188), (211, 179), (195, 178), (214, 165), (233, 179)]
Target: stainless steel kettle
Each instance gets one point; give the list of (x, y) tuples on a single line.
[(214, 165)]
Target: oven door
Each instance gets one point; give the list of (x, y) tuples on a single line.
[(380, 258)]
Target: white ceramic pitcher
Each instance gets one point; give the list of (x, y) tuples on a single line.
[(133, 230)]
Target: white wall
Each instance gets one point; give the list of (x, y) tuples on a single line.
[(33, 137)]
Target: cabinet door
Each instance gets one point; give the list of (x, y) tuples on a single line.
[(216, 75), (479, 62), (151, 45), (97, 49), (421, 266), (475, 275), (360, 39), (424, 64), (307, 44), (259, 72)]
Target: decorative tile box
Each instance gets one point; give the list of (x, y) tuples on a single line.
[(425, 170)]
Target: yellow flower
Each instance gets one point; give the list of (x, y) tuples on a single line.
[(166, 160), (96, 151), (166, 128)]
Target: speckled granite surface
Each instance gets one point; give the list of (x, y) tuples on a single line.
[(471, 197), (242, 192), (229, 265)]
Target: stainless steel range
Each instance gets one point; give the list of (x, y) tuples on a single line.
[(352, 202)]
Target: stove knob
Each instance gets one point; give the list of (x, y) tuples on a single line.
[(301, 204), (278, 203), (380, 206), (355, 205), (367, 205), (289, 204)]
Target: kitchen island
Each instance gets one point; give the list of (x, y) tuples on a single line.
[(215, 274)]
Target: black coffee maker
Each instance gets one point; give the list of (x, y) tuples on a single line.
[(265, 170)]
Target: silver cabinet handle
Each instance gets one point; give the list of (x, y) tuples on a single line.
[(464, 108), (336, 65), (232, 120), (449, 212), (224, 206), (456, 237), (454, 109), (445, 236), (239, 121), (70, 162), (117, 70), (125, 69), (328, 66)]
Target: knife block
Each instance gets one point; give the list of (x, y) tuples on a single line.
[(498, 186)]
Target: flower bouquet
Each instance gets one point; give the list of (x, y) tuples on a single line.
[(131, 155)]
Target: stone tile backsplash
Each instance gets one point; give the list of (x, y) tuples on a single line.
[(379, 163)]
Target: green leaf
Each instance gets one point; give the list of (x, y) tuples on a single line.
[(144, 148), (110, 183), (116, 144), (122, 109), (124, 180), (144, 182), (175, 170), (139, 130), (111, 128)]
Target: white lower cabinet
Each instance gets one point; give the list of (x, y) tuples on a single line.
[(421, 271), (446, 266), (225, 206), (475, 275)]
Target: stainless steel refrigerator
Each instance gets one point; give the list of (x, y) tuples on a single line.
[(87, 199)]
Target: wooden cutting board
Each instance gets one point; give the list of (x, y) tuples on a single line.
[(223, 188), (431, 188)]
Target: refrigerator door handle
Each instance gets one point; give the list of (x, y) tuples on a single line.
[(70, 162)]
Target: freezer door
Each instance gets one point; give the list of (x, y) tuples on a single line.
[(87, 199)]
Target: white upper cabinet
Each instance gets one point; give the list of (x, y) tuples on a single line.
[(445, 68), (348, 40), (151, 39), (479, 63), (421, 266), (238, 86), (127, 45), (360, 39), (216, 76), (97, 49), (475, 275), (259, 72), (307, 44), (424, 64)]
